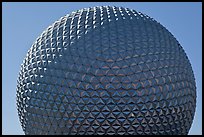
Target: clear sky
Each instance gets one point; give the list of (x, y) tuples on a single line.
[(24, 22)]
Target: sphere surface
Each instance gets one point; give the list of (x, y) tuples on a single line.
[(106, 70)]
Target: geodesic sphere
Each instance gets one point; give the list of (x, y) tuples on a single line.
[(106, 70)]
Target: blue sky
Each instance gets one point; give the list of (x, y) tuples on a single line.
[(24, 22)]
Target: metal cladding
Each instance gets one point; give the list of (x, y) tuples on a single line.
[(106, 70)]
